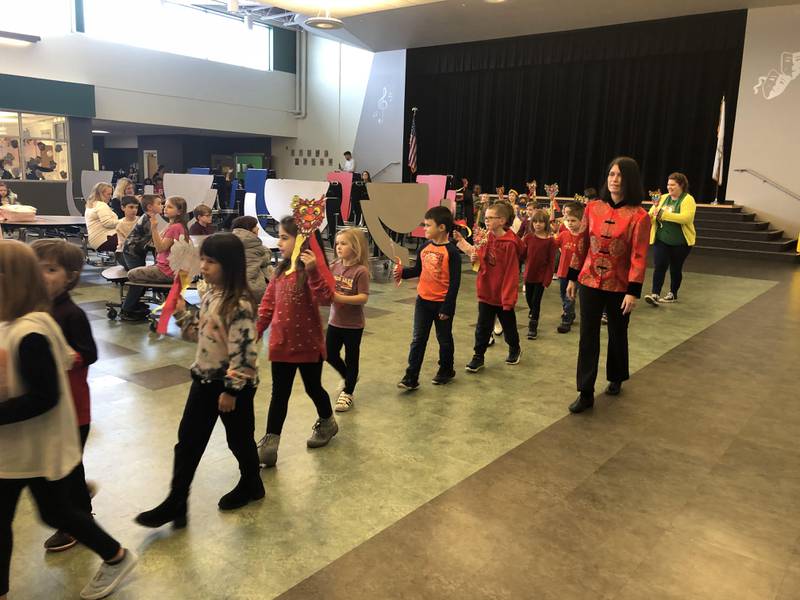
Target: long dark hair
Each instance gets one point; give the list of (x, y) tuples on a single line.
[(228, 251), (182, 219), (290, 226), (632, 189)]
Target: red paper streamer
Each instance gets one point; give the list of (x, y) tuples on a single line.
[(169, 305), (322, 266)]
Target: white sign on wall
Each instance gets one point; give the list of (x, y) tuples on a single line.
[(774, 83)]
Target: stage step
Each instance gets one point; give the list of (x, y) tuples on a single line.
[(753, 225), (780, 245), (789, 256), (742, 234)]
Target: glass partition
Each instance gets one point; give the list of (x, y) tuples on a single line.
[(11, 167)]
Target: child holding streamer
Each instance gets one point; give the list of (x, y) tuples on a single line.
[(291, 307)]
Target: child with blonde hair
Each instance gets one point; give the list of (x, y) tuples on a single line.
[(346, 321)]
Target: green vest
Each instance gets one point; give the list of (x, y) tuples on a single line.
[(667, 232)]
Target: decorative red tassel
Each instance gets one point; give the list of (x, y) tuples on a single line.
[(322, 266), (169, 305)]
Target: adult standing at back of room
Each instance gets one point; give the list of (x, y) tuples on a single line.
[(672, 236), (610, 266), (349, 165)]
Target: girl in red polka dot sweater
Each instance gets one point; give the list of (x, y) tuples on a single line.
[(290, 308)]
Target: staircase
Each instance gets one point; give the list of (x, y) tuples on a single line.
[(729, 230)]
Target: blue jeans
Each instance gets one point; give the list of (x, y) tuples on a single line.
[(567, 305), (426, 314)]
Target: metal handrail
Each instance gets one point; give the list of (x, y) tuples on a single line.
[(397, 162), (771, 182)]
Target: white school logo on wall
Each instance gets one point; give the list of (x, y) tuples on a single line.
[(774, 83)]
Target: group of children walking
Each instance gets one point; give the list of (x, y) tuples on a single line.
[(497, 256), (44, 421), (46, 347)]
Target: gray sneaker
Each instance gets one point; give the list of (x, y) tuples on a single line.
[(652, 299), (324, 430), (668, 299), (268, 450), (108, 577)]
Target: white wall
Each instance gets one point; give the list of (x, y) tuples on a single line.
[(337, 82), (767, 131), (379, 142), (144, 86)]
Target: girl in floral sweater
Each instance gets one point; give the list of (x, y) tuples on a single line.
[(224, 381), (291, 306)]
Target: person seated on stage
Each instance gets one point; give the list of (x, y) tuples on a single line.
[(130, 208), (202, 224), (6, 195)]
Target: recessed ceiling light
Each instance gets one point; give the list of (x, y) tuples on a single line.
[(99, 131), (494, 1), (326, 22)]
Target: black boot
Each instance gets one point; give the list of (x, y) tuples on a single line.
[(533, 329), (581, 404), (169, 510), (242, 494), (564, 327), (614, 388)]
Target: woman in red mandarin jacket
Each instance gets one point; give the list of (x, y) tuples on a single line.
[(610, 267)]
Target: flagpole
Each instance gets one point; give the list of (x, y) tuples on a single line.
[(719, 152)]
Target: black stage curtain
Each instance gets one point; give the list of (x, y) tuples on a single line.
[(558, 107)]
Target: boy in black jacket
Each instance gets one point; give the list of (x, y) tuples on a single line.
[(438, 267)]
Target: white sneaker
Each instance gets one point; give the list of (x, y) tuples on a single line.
[(108, 577), (652, 299), (668, 299), (344, 402), (498, 329)]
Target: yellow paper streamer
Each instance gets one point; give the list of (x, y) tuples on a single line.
[(298, 244)]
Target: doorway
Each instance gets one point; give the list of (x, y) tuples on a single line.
[(150, 159)]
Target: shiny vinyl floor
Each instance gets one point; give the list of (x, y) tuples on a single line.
[(685, 486)]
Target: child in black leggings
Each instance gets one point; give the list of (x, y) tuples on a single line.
[(346, 322), (290, 308)]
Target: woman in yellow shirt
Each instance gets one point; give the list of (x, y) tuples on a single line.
[(672, 235)]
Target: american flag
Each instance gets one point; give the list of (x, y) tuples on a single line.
[(412, 144)]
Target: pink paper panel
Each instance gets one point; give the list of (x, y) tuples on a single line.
[(346, 181), (436, 185)]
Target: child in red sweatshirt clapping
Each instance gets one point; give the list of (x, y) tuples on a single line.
[(497, 284)]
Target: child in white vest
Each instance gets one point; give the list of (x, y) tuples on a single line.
[(39, 444)]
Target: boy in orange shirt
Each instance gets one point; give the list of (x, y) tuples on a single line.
[(438, 267)]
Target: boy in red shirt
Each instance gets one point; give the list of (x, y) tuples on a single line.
[(567, 240), (438, 267), (497, 284)]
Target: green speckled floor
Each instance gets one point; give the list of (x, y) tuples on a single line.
[(395, 451)]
